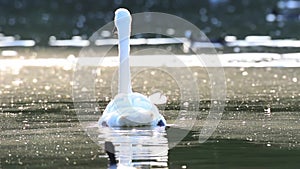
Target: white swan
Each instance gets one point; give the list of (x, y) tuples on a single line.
[(128, 108)]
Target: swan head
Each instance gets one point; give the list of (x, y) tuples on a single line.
[(123, 22)]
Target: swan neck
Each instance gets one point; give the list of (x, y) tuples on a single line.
[(124, 69)]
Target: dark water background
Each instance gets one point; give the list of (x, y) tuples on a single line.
[(38, 20)]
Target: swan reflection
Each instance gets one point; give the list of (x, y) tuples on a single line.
[(142, 147)]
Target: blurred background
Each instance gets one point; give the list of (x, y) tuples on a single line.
[(38, 20)]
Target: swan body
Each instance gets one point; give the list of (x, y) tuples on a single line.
[(128, 108), (132, 109)]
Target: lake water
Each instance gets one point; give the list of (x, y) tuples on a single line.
[(40, 128), (56, 140)]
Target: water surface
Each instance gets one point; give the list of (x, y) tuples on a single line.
[(40, 127)]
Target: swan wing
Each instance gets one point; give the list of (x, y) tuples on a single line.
[(136, 117)]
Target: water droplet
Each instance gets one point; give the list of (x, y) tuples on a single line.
[(34, 80), (67, 159), (244, 73), (186, 104), (270, 17), (47, 87)]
